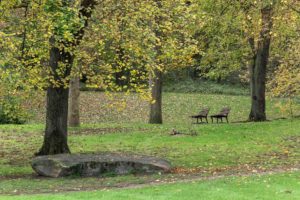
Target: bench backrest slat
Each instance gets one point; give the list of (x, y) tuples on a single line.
[(225, 111), (204, 111)]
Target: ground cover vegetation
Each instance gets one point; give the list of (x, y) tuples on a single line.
[(216, 149), (274, 186), (87, 76)]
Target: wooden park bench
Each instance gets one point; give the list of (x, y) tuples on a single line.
[(202, 114), (222, 114)]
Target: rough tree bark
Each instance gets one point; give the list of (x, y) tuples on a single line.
[(74, 95), (156, 94), (155, 80), (55, 139), (259, 67), (251, 74)]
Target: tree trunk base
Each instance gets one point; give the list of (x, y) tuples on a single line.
[(156, 94), (155, 121), (52, 147), (256, 118), (56, 132)]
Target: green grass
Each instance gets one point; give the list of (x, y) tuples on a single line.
[(216, 145), (284, 186), (29, 185), (226, 148)]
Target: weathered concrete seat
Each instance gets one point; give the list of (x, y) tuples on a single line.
[(97, 164)]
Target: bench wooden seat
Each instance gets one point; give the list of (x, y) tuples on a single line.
[(222, 114), (202, 114)]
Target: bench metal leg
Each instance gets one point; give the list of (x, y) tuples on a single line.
[(227, 119), (206, 120)]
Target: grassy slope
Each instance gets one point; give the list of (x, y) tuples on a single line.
[(96, 107), (283, 186)]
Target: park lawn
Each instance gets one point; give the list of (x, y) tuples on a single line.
[(216, 145), (280, 186), (223, 148)]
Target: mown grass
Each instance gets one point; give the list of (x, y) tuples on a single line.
[(224, 146), (216, 145), (36, 185), (283, 186)]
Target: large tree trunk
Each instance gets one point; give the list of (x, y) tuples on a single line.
[(55, 139), (74, 118), (156, 94), (259, 68)]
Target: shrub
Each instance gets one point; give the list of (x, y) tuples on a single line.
[(11, 111)]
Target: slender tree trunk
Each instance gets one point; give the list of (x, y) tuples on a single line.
[(74, 95), (259, 68), (251, 73), (55, 139), (156, 80), (156, 94)]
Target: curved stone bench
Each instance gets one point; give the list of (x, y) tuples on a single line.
[(97, 164)]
